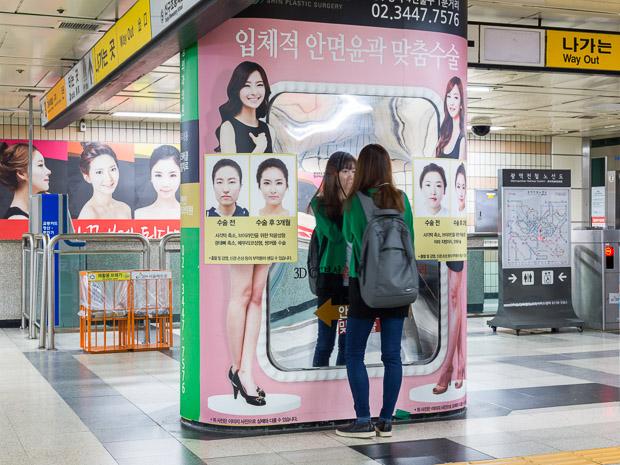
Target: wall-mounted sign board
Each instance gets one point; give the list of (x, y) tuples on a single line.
[(148, 34)]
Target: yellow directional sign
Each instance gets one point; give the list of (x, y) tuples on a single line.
[(328, 312), (134, 29), (583, 50), (55, 100)]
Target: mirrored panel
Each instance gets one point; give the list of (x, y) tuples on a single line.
[(314, 126)]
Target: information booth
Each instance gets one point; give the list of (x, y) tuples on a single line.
[(334, 76)]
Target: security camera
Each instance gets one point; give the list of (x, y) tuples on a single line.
[(82, 125), (481, 126)]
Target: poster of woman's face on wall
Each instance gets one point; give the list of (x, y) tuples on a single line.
[(101, 180), (48, 174), (157, 180), (431, 188), (274, 187), (111, 186)]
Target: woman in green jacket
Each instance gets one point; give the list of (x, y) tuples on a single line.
[(373, 177), (327, 207)]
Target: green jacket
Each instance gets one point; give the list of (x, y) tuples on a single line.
[(334, 256), (354, 224)]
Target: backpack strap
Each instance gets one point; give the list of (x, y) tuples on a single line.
[(368, 204)]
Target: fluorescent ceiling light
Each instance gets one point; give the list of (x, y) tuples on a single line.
[(479, 89), (138, 114), (497, 128)]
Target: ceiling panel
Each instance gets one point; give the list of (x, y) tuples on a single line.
[(9, 5), (144, 82), (72, 8), (112, 103), (10, 100), (22, 76), (144, 104), (112, 11), (170, 84), (523, 100), (47, 43)]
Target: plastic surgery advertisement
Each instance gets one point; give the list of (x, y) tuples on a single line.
[(112, 187), (312, 81)]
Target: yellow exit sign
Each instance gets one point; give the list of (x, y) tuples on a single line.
[(583, 50)]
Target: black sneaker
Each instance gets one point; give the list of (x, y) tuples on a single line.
[(357, 430), (383, 428)]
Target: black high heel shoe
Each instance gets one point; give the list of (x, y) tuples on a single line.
[(259, 391), (239, 389)]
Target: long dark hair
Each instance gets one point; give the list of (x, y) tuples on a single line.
[(330, 190), (445, 131), (233, 106), (374, 169)]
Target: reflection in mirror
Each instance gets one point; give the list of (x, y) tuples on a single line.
[(314, 126)]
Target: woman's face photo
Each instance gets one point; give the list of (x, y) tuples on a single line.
[(253, 93), (461, 190), (453, 102), (166, 178), (345, 177), (433, 190), (40, 173), (226, 186), (273, 186), (103, 174)]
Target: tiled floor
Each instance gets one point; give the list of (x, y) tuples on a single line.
[(533, 394)]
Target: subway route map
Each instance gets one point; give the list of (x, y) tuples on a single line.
[(536, 228)]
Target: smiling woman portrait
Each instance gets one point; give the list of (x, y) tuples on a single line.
[(242, 129), (165, 169), (99, 167)]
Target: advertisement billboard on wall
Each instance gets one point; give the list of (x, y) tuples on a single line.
[(112, 187), (332, 82)]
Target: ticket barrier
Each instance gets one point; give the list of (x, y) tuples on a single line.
[(596, 277)]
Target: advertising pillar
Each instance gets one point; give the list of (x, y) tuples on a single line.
[(267, 98)]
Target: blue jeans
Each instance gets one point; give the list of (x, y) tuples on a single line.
[(325, 345), (358, 330)]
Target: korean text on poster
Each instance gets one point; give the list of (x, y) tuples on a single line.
[(250, 208), (440, 222)]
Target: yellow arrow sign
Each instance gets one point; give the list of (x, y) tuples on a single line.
[(328, 312)]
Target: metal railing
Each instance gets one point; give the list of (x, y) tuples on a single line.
[(164, 252), (36, 311), (27, 272), (46, 333)]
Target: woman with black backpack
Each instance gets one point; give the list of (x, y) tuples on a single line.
[(327, 206), (373, 178)]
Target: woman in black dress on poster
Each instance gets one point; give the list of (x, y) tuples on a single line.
[(243, 131)]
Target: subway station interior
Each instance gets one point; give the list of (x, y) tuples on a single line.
[(161, 163)]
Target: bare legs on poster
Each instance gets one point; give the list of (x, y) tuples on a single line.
[(247, 284), (454, 367)]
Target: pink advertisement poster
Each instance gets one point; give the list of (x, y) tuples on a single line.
[(112, 187), (326, 86)]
